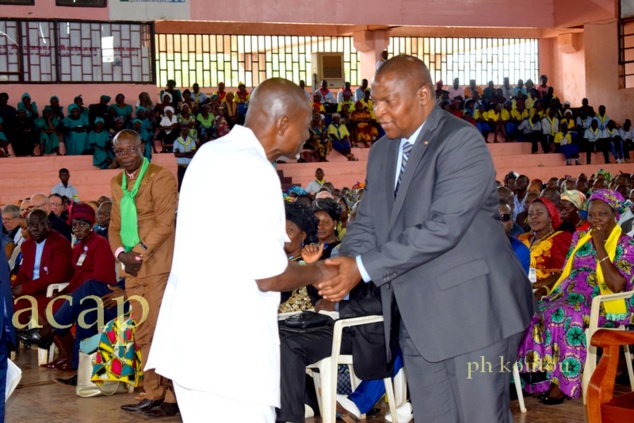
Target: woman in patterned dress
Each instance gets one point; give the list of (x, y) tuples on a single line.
[(599, 262)]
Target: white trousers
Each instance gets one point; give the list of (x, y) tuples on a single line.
[(200, 406)]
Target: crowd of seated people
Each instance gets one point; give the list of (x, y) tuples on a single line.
[(530, 113), (573, 234)]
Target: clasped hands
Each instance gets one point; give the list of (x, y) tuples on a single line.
[(339, 274)]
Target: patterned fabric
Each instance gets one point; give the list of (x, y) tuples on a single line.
[(577, 198), (613, 198), (118, 358), (298, 301), (366, 131), (547, 255), (555, 341)]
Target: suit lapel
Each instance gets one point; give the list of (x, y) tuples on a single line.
[(418, 152), (390, 170)]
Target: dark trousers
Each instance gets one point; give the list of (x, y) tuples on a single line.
[(605, 145), (4, 357), (181, 175), (536, 137), (297, 350), (69, 313), (472, 387), (589, 148)]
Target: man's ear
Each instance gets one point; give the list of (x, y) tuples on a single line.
[(282, 125)]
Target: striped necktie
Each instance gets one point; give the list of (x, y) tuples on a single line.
[(407, 148)]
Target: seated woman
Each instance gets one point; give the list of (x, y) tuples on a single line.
[(318, 141), (301, 229), (572, 203), (48, 123), (221, 126), (340, 137), (124, 110), (29, 106), (365, 130), (600, 262), (167, 131), (75, 126), (548, 247), (94, 263), (99, 139), (83, 111), (328, 214), (205, 123)]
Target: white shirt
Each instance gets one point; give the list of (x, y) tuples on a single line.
[(313, 186), (527, 126), (626, 135), (607, 134), (69, 191), (165, 121), (603, 121), (592, 136), (359, 94), (184, 146), (39, 248), (584, 123), (455, 92), (212, 290), (547, 128)]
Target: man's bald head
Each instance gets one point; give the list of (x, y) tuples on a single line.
[(279, 116), (40, 201), (410, 69), (507, 194)]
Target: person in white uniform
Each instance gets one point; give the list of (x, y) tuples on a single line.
[(217, 334)]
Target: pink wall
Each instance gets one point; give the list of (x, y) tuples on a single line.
[(46, 9), (602, 71), (495, 13), (570, 13), (567, 70)]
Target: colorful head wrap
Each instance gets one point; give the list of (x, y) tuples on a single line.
[(105, 98), (25, 95), (82, 211), (72, 107), (98, 120), (297, 190), (552, 210), (576, 198), (612, 198), (606, 175)]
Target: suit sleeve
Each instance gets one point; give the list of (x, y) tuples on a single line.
[(464, 180), (56, 267), (164, 192), (114, 231)]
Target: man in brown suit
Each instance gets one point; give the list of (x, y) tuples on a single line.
[(147, 262)]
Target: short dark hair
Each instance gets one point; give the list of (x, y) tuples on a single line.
[(329, 206), (62, 170), (56, 195), (304, 218)]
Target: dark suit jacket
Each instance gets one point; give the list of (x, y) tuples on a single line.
[(60, 226), (436, 248), (56, 264)]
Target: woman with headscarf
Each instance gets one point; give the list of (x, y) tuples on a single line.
[(599, 263), (76, 127), (573, 202), (99, 140), (124, 110), (167, 130), (29, 106), (79, 102), (301, 229), (548, 247), (48, 123), (58, 110)]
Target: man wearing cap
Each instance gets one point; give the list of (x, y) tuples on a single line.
[(142, 239)]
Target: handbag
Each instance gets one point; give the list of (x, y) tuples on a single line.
[(86, 388), (306, 321)]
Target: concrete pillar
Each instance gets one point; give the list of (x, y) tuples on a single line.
[(370, 45)]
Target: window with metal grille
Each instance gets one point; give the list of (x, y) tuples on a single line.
[(209, 58), (626, 53), (482, 59), (75, 51)]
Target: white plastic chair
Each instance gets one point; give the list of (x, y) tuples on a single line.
[(518, 387), (326, 379), (46, 356), (591, 356)]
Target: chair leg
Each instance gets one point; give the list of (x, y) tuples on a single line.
[(628, 363), (589, 367), (391, 400), (328, 372), (400, 387), (518, 387)]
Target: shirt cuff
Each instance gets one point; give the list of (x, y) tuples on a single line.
[(119, 251), (364, 273)]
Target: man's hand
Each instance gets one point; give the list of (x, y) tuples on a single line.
[(312, 253), (324, 305), (347, 277), (16, 291), (132, 262), (109, 300)]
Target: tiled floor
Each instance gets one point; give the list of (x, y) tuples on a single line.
[(39, 400)]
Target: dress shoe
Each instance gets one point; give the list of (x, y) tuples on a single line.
[(145, 405), (553, 401), (56, 363), (32, 337), (71, 381), (167, 409)]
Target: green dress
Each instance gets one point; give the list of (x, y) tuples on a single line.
[(76, 142), (100, 141), (49, 143)]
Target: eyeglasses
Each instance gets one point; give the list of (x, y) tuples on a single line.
[(504, 217), (56, 204), (9, 219), (120, 152)]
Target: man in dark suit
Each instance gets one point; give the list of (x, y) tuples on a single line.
[(426, 234), (7, 337)]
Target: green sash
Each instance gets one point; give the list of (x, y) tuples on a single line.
[(129, 221)]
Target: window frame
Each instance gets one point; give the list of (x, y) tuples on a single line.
[(105, 4)]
